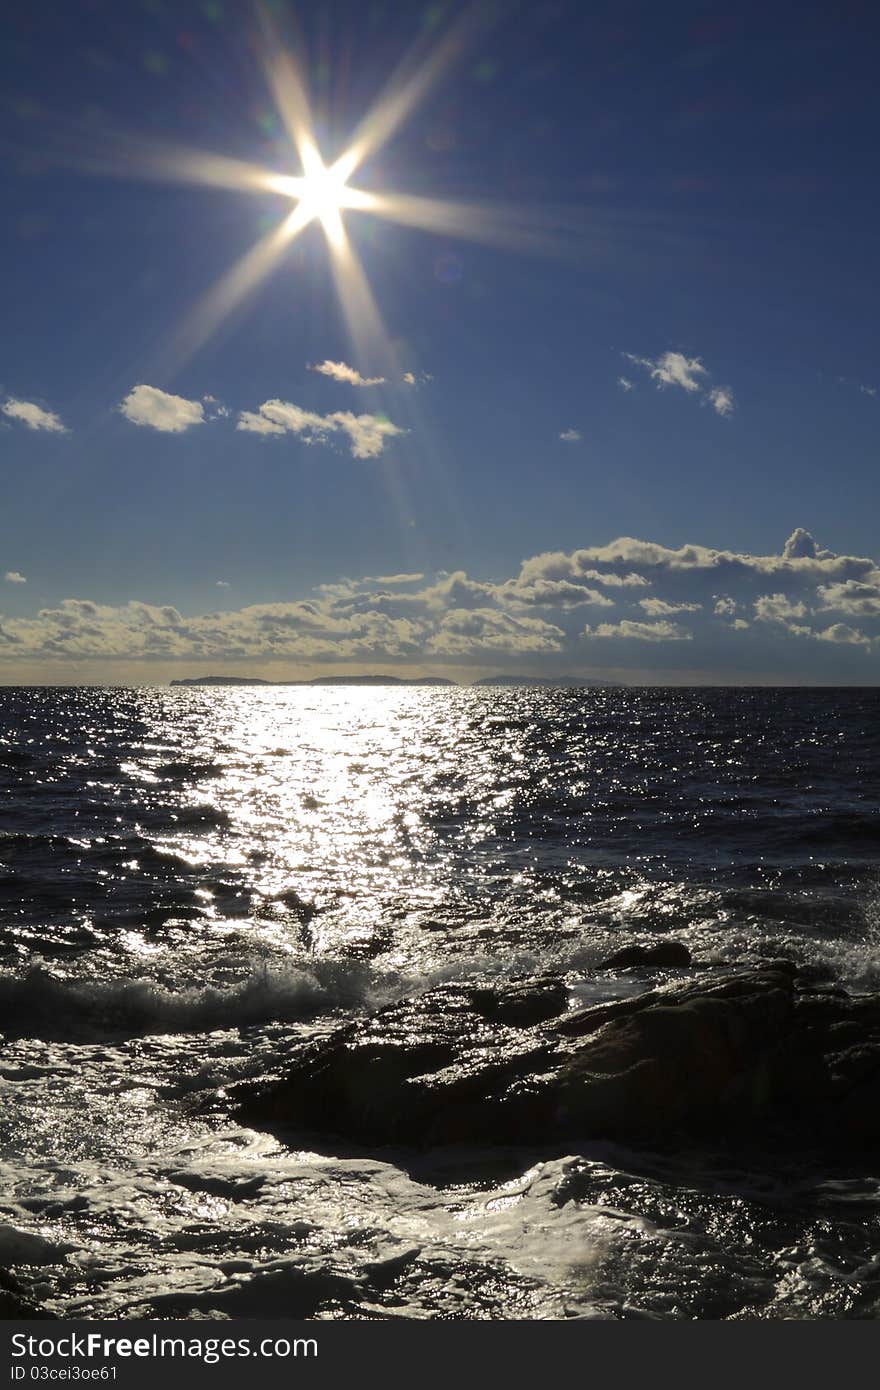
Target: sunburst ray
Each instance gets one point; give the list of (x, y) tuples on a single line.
[(322, 192)]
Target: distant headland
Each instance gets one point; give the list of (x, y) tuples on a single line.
[(573, 682)]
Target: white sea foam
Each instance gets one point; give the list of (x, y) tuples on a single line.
[(50, 1005)]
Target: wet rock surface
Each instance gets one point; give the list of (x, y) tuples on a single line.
[(15, 1303), (666, 953), (749, 1057)]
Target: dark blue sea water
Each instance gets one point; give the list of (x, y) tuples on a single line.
[(192, 879)]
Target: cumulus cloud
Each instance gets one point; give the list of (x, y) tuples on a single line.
[(33, 416), (659, 608), (624, 383), (721, 400), (221, 584), (340, 371), (842, 632), (551, 593), (725, 607), (688, 373), (802, 561), (639, 631), (467, 632), (857, 599), (570, 436), (672, 369), (13, 577), (158, 410), (801, 545), (778, 608), (367, 434), (577, 569), (737, 603)]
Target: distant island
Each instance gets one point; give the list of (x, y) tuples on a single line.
[(568, 682), (316, 680)]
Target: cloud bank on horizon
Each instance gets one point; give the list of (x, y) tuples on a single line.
[(584, 609)]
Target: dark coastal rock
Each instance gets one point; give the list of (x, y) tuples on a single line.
[(749, 1056), (669, 953), (15, 1303)]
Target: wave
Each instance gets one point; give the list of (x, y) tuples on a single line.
[(44, 1005)]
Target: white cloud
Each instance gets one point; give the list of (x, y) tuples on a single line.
[(259, 423), (389, 579), (802, 546), (216, 409), (467, 632), (778, 608), (34, 416), (536, 612), (624, 383), (858, 600), (843, 633), (158, 410), (672, 369), (367, 434), (551, 593), (577, 568), (801, 563), (640, 632), (571, 436), (340, 371), (221, 584), (659, 608), (688, 373), (13, 577), (281, 417), (721, 400)]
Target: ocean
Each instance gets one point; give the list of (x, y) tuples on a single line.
[(198, 883)]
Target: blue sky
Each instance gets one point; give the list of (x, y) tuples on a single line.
[(686, 356)]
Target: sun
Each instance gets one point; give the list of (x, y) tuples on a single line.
[(320, 193), (323, 193)]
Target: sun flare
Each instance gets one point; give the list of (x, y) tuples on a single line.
[(321, 193)]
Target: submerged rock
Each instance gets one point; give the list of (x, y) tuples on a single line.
[(747, 1056)]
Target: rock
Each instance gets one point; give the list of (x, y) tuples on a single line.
[(396, 1077), (523, 1003), (669, 953), (747, 1057), (15, 1303)]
